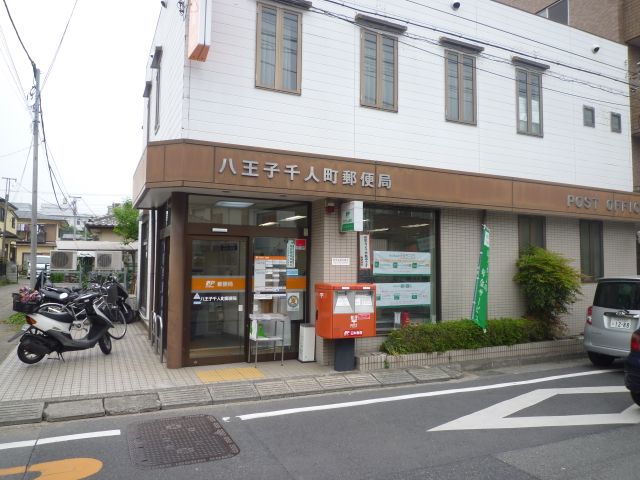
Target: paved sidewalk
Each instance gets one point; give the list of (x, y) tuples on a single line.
[(132, 380)]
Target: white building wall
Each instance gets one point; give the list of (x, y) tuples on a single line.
[(223, 105), (170, 35)]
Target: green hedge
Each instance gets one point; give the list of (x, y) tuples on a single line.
[(463, 334), (56, 277)]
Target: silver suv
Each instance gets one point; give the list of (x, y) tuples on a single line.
[(612, 319)]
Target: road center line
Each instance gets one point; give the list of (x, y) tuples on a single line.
[(334, 406), (63, 438)]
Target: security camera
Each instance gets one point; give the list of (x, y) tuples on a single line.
[(595, 48), (455, 5)]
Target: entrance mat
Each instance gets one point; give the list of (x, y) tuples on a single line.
[(229, 374), (179, 441)]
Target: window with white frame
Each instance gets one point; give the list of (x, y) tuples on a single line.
[(278, 56), (529, 101), (558, 12)]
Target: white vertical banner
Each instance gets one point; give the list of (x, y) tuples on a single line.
[(365, 251)]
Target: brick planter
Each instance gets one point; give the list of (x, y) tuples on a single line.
[(482, 357)]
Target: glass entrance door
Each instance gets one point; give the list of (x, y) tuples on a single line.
[(218, 286)]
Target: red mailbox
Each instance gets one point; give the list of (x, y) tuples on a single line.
[(345, 310)]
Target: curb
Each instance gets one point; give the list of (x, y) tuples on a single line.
[(18, 412), (75, 408)]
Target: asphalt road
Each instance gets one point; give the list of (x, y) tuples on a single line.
[(559, 423)]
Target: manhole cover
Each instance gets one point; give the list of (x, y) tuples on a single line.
[(179, 441)]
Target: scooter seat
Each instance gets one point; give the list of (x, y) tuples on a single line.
[(63, 317)]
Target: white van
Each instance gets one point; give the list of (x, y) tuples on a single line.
[(43, 262)]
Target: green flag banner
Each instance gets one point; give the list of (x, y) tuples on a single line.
[(481, 294)]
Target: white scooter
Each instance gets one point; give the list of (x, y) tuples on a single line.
[(49, 330)]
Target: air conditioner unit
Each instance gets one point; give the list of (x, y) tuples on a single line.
[(63, 260), (108, 261)]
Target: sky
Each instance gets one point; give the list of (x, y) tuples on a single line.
[(91, 97)]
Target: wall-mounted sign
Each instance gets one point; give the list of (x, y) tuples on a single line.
[(401, 263), (341, 261), (291, 254), (403, 294), (595, 204), (352, 216), (199, 35), (365, 251), (293, 302)]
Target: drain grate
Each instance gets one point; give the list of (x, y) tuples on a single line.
[(177, 441)]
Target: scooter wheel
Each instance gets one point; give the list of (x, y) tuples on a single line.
[(26, 356), (105, 344)]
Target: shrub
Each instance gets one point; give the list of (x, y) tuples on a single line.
[(549, 284), (463, 334), (56, 277), (17, 318)]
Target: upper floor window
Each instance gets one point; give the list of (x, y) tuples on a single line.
[(558, 12), (278, 50), (588, 116), (460, 85), (155, 64), (529, 87), (460, 79), (616, 122), (379, 71)]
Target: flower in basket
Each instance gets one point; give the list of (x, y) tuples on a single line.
[(27, 295)]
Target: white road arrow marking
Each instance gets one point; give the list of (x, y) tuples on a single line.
[(495, 416)]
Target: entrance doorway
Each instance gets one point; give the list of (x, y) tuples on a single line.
[(228, 284), (218, 298)]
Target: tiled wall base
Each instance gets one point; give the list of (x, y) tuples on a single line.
[(483, 356)]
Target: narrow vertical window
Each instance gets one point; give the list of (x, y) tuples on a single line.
[(460, 87), (616, 123), (379, 71), (530, 231), (529, 91), (278, 49), (588, 116), (591, 251), (155, 64)]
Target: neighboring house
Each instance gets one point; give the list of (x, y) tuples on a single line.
[(8, 229), (48, 232), (101, 228), (69, 213), (265, 119)]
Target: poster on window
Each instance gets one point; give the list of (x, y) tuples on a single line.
[(403, 294), (270, 274), (401, 263)]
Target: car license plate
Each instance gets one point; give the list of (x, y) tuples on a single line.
[(621, 324)]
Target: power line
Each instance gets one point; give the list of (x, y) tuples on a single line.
[(524, 37), (17, 151), (59, 45), (416, 37), (459, 35), (33, 64), (15, 76)]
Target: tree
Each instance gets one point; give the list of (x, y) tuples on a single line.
[(126, 221), (549, 284)]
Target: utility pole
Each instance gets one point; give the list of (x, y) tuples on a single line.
[(7, 190), (74, 209), (34, 194)]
